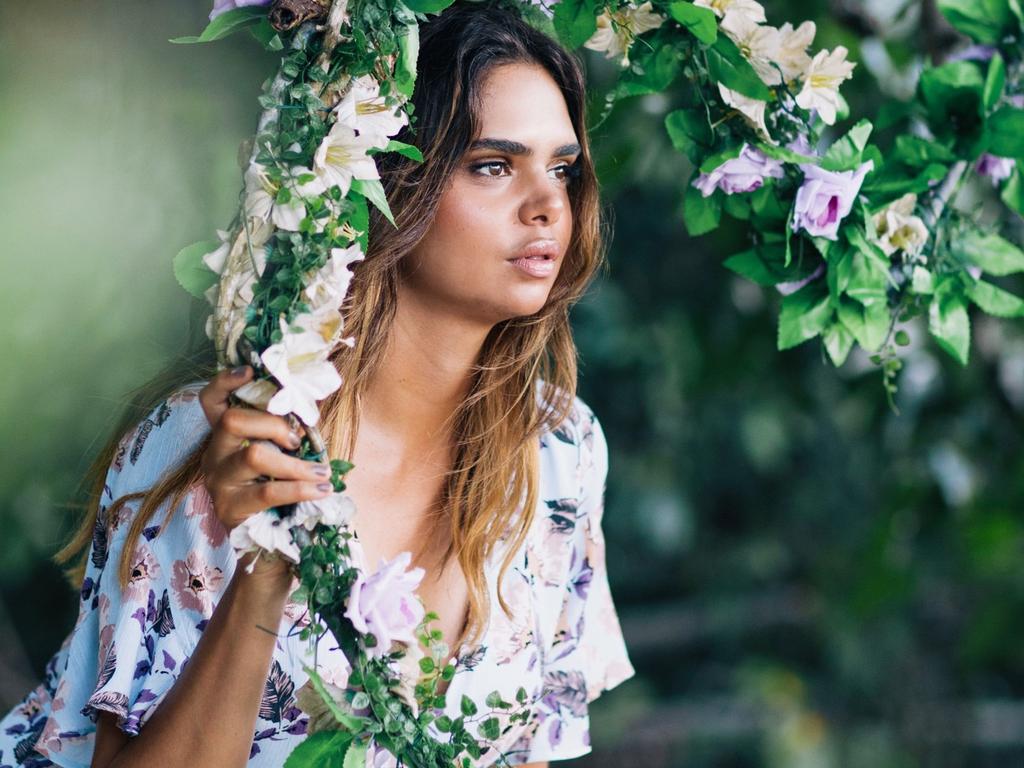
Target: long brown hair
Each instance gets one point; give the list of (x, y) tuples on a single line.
[(495, 470)]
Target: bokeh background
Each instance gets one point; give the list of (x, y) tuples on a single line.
[(806, 579)]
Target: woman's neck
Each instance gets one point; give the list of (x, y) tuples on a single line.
[(423, 377)]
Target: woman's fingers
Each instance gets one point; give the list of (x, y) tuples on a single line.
[(250, 499), (240, 424), (261, 458), (214, 396)]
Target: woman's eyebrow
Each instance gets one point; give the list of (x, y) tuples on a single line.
[(516, 148)]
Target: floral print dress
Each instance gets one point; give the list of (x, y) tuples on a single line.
[(563, 641)]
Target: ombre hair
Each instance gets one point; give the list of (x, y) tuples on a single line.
[(491, 491)]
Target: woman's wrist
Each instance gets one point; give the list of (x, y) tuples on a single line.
[(269, 582)]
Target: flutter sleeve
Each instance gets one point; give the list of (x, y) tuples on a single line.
[(129, 644), (588, 653)]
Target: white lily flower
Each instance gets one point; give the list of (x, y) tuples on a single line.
[(301, 366), (342, 157), (758, 43), (821, 83), (748, 8), (330, 284), (216, 259), (264, 531), (260, 192), (899, 229), (793, 44), (616, 32), (258, 392), (290, 214), (365, 110), (751, 109), (338, 509)]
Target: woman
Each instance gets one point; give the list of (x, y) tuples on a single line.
[(459, 413)]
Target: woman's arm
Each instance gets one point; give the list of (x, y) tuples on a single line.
[(209, 715)]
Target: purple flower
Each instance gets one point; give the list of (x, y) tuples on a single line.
[(740, 174), (222, 6), (826, 197), (385, 604), (996, 168), (973, 53)]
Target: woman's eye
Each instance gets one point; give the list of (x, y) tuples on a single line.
[(493, 164)]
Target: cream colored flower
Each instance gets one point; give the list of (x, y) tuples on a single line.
[(342, 157), (337, 509), (365, 110), (899, 229), (793, 44), (751, 109), (408, 670), (267, 532), (758, 43), (616, 31), (749, 8), (330, 283), (301, 366), (821, 83), (289, 215)]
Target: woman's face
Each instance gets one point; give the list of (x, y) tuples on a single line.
[(503, 224)]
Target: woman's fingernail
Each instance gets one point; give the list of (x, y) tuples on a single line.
[(239, 371), (322, 471), (325, 487), (294, 440)]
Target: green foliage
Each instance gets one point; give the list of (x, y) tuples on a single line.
[(701, 22), (986, 21), (189, 270), (701, 214), (229, 22), (324, 749), (727, 65), (575, 21)]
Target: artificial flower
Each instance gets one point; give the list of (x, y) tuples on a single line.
[(899, 229), (753, 110), (337, 510), (793, 44), (996, 168), (365, 110), (289, 215), (825, 198), (407, 668), (385, 604), (330, 283), (301, 366), (744, 173), (342, 157), (616, 31), (758, 43), (824, 74), (748, 8), (320, 713), (264, 531)]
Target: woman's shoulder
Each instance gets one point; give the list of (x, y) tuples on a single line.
[(580, 428)]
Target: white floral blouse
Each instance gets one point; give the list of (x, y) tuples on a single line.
[(563, 642)]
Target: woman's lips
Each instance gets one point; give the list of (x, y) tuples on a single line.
[(536, 266)]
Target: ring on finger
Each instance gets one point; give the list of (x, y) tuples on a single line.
[(245, 443)]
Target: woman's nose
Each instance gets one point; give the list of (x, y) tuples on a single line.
[(544, 199)]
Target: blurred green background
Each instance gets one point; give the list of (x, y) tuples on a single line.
[(805, 578)]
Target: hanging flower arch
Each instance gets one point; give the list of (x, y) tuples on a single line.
[(857, 242)]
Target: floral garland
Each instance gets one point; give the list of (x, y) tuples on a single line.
[(855, 242)]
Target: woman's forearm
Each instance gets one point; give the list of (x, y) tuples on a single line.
[(209, 715)]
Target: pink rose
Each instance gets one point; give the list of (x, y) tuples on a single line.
[(826, 197), (385, 604), (740, 174), (222, 6)]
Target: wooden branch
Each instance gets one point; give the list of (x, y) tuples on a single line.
[(288, 14)]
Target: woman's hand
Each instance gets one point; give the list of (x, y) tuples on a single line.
[(244, 450)]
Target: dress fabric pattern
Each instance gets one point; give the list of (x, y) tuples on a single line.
[(563, 642)]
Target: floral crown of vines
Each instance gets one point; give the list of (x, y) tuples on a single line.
[(856, 243)]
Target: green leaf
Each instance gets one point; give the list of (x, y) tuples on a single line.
[(652, 69), (1013, 191), (690, 133), (711, 163), (350, 722), (804, 315), (266, 35), (319, 749), (575, 21), (983, 20), (948, 321), (467, 706), (995, 82), (953, 95), (428, 6), (373, 191), (994, 254), (355, 755), (224, 24), (701, 214), (406, 150), (701, 22), (427, 665), (490, 728), (995, 301), (785, 154), (845, 154), (1005, 132), (729, 66), (918, 152), (838, 342), (408, 34), (190, 271), (868, 324)]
